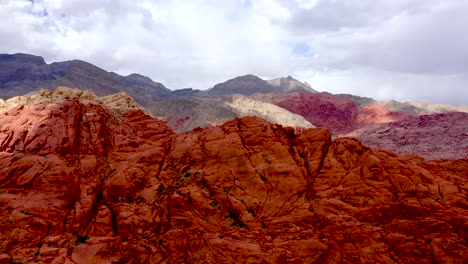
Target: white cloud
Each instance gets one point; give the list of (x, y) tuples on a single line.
[(385, 85), (409, 50), (307, 4)]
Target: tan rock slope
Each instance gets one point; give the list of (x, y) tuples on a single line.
[(82, 184), (244, 106)]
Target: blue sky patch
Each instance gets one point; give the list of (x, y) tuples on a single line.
[(302, 48)]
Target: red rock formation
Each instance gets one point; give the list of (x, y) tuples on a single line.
[(324, 110), (80, 184)]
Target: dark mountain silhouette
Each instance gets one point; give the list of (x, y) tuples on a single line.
[(23, 73)]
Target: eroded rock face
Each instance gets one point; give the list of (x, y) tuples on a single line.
[(82, 184)]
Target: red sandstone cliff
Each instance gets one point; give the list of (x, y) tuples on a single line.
[(82, 184)]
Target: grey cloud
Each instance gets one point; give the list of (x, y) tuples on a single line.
[(428, 37), (328, 16), (432, 43)]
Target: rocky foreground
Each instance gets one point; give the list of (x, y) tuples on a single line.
[(84, 183)]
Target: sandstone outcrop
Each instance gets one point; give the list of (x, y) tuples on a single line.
[(82, 184)]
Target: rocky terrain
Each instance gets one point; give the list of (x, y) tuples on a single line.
[(436, 136), (83, 183)]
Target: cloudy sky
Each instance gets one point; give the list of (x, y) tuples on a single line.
[(400, 49)]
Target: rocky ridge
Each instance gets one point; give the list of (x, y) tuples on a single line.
[(82, 184)]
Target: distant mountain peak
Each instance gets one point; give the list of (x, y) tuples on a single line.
[(138, 76), (247, 77), (289, 84), (250, 84)]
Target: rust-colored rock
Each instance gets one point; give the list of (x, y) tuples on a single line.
[(324, 110), (82, 184)]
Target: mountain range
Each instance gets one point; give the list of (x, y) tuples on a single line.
[(101, 168), (285, 101)]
